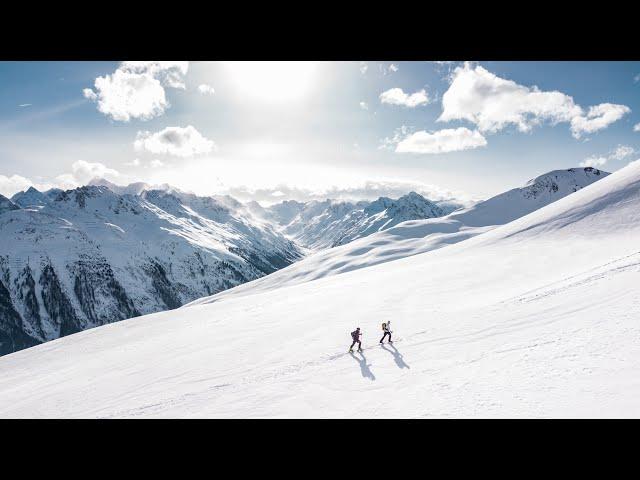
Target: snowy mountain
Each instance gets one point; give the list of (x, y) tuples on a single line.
[(534, 318), (318, 225), (72, 260), (6, 205), (419, 236)]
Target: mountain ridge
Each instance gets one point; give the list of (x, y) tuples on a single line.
[(419, 236)]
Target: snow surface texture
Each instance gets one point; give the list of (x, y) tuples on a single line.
[(414, 237), (535, 318)]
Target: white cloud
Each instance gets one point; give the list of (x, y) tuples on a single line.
[(395, 96), (13, 184), (22, 105), (636, 79), (387, 69), (364, 190), (363, 67), (134, 163), (89, 94), (156, 163), (636, 127), (492, 103), (206, 89), (136, 89), (598, 117), (178, 141), (364, 106), (169, 73), (82, 172), (389, 143), (445, 67), (593, 162), (441, 141), (619, 153)]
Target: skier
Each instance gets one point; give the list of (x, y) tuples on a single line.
[(356, 339), (386, 328)]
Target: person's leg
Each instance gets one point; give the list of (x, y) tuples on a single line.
[(385, 334), (390, 337), (359, 345)]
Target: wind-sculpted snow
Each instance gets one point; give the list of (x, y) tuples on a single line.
[(72, 260), (535, 318), (418, 236)]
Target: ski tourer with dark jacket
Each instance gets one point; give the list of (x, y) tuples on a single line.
[(355, 335)]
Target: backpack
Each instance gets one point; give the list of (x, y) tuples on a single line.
[(384, 326), (354, 334)]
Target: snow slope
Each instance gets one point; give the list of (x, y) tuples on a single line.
[(419, 236), (536, 318)]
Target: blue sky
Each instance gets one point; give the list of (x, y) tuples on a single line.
[(305, 130)]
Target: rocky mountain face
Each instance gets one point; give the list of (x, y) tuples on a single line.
[(72, 260), (7, 205)]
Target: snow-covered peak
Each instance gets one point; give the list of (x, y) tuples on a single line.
[(88, 196), (135, 188), (164, 200), (565, 180), (256, 209), (411, 206), (537, 193), (30, 198)]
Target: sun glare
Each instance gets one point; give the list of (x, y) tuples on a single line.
[(273, 81)]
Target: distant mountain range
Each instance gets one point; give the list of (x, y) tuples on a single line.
[(319, 225), (413, 237)]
